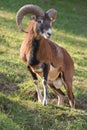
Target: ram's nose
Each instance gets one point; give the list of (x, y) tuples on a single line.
[(49, 32)]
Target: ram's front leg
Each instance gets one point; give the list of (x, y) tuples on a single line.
[(34, 76), (40, 98), (44, 82)]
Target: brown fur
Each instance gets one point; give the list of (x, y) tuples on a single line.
[(51, 54)]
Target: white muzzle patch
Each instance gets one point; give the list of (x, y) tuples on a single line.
[(47, 33)]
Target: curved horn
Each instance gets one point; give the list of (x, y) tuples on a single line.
[(27, 9), (52, 13)]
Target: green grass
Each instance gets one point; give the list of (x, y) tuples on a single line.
[(18, 109)]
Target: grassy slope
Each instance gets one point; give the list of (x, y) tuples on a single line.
[(18, 111)]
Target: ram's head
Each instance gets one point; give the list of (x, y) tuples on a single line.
[(44, 20)]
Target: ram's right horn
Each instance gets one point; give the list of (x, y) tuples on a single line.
[(27, 9)]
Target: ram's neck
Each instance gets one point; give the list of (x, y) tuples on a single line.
[(33, 52)]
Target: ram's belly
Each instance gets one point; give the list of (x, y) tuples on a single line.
[(58, 83), (53, 73)]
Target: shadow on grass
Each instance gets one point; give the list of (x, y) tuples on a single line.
[(34, 116), (11, 77), (81, 99), (9, 88)]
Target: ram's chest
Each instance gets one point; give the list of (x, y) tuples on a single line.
[(33, 53)]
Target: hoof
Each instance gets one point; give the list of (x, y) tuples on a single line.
[(40, 100), (45, 102)]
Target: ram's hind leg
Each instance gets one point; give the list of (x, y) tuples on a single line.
[(34, 76), (59, 93), (68, 87)]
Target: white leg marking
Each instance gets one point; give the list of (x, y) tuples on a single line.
[(45, 99), (61, 100), (71, 104)]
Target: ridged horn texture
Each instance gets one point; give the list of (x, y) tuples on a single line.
[(52, 13), (27, 9)]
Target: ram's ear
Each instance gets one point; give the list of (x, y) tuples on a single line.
[(52, 13), (33, 17)]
